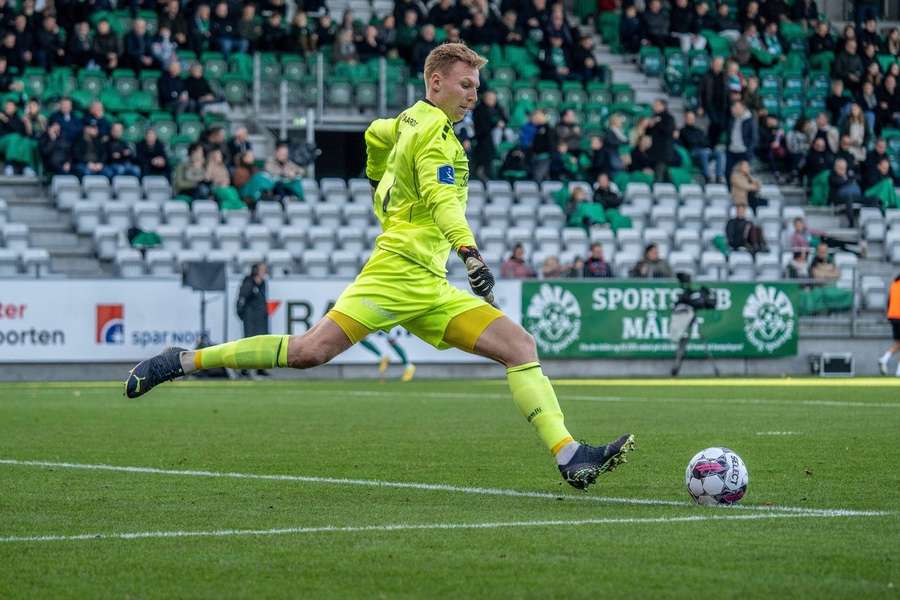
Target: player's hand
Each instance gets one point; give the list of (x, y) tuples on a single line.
[(481, 280)]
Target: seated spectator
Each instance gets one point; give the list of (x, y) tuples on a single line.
[(744, 234), (821, 40), (600, 160), (213, 138), (122, 159), (151, 155), (845, 151), (164, 49), (745, 187), (489, 121), (516, 267), (563, 164), (683, 27), (751, 96), (7, 82), (726, 25), (555, 60), (98, 113), (821, 128), (818, 159), (631, 30), (220, 182), (734, 80), (238, 144), (822, 268), (371, 45), (870, 168), (605, 193), (537, 140), (138, 47), (344, 49), (200, 35), (200, 93), (106, 46), (806, 13), (576, 269), (837, 103), (742, 136), (479, 32), (68, 121), (772, 40), (848, 66), (171, 90), (326, 31), (652, 266), (843, 188), (696, 142), (868, 101), (286, 174), (568, 131), (10, 121), (55, 151), (797, 143), (855, 129), (422, 48), (641, 160), (173, 19), (190, 176), (223, 29), (79, 47), (584, 64), (596, 265), (797, 268), (35, 118), (90, 153), (803, 238), (655, 25), (250, 28), (889, 103), (50, 47), (882, 190), (551, 269)]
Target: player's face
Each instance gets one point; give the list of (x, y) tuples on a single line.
[(457, 91)]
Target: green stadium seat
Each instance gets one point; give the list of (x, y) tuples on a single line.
[(524, 92), (34, 80), (149, 80), (365, 94), (189, 124), (549, 93), (310, 91), (234, 88), (769, 82), (133, 125), (240, 66), (270, 68), (599, 93), (61, 82), (180, 145), (396, 95), (152, 21), (504, 96), (885, 61), (142, 101), (675, 59), (125, 81), (651, 61), (112, 100), (691, 97), (504, 76), (293, 68), (186, 58), (622, 93), (596, 115), (822, 61), (214, 65), (91, 81), (339, 92), (793, 83), (699, 64), (771, 103), (164, 125)]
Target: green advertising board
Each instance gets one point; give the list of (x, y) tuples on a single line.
[(632, 319)]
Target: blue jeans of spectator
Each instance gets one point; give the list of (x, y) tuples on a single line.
[(228, 44), (733, 158), (702, 156), (81, 169), (125, 168), (847, 195), (870, 119)]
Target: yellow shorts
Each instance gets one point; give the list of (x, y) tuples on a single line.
[(392, 290)]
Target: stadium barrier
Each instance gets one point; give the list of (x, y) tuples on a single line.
[(121, 321)]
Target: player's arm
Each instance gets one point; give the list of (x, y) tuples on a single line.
[(380, 138)]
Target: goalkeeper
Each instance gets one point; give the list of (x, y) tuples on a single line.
[(420, 174)]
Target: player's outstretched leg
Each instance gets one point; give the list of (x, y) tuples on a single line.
[(486, 332), (325, 340)]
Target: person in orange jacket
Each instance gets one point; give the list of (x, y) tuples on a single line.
[(893, 315)]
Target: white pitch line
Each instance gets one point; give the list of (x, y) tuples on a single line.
[(400, 527), (433, 487), (778, 433)]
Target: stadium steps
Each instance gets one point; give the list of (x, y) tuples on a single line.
[(625, 70)]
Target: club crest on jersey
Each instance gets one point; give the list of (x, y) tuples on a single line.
[(446, 174)]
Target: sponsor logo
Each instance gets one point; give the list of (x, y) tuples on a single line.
[(769, 318), (553, 317), (110, 327), (272, 306), (446, 174)]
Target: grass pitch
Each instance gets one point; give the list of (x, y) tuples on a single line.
[(383, 492)]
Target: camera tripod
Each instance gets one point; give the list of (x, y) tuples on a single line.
[(683, 319)]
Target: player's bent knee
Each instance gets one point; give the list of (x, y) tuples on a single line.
[(304, 355)]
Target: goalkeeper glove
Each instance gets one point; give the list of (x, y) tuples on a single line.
[(481, 280)]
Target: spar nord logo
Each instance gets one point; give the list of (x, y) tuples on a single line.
[(553, 317), (768, 318), (110, 324)]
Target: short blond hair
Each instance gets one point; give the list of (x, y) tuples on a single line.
[(442, 58)]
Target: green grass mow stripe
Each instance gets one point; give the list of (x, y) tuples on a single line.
[(434, 487), (408, 527)]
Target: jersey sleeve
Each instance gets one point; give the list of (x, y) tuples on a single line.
[(380, 139), (437, 187)]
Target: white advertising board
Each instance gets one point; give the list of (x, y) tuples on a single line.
[(123, 321)]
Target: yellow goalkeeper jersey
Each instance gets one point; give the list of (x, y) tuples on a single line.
[(423, 174)]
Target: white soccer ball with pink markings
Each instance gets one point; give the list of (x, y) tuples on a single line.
[(716, 476)]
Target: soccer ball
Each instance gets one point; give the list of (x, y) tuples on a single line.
[(716, 476)]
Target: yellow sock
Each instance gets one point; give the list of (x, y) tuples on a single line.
[(533, 394), (258, 352)]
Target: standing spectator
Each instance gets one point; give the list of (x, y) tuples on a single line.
[(69, 123), (596, 265), (726, 25), (253, 306), (173, 19), (515, 267), (745, 188), (50, 49), (631, 30), (172, 91), (856, 130), (821, 40), (743, 136), (696, 142), (423, 46), (714, 99), (893, 315), (138, 46), (370, 46), (836, 101), (122, 158), (200, 93), (848, 67), (55, 151), (106, 47), (538, 141), (163, 49), (90, 152), (344, 50), (488, 117), (772, 147), (615, 138), (798, 143), (201, 29), (652, 266), (80, 47), (151, 155), (555, 60), (568, 131), (584, 63), (600, 160), (744, 234), (249, 27), (683, 27), (661, 131), (655, 25), (223, 30), (285, 174)]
